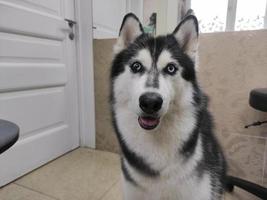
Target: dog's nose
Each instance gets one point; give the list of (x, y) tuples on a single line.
[(150, 102)]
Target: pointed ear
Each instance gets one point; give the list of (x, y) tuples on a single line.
[(130, 29), (186, 33)]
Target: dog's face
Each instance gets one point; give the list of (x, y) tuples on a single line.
[(154, 76)]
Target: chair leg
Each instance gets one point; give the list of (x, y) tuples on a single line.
[(250, 187)]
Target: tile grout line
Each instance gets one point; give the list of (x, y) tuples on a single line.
[(109, 189), (264, 161), (28, 188)]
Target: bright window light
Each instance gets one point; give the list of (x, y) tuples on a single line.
[(250, 14), (211, 14)]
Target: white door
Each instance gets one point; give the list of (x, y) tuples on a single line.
[(37, 83), (108, 15)]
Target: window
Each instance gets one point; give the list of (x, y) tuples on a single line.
[(230, 15), (211, 14), (250, 14)]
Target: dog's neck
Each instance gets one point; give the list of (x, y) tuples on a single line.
[(162, 144)]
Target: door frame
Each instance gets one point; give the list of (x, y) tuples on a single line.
[(85, 72)]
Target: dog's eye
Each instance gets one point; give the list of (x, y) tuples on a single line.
[(136, 67), (170, 69)]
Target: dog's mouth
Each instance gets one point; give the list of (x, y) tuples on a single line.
[(148, 123)]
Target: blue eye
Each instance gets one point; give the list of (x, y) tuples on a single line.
[(170, 69), (136, 67)]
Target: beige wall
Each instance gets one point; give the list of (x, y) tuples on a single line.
[(231, 64), (105, 136)]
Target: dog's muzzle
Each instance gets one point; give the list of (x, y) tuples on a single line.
[(150, 103)]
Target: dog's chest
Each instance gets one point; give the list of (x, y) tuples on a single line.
[(178, 180), (174, 188), (189, 188)]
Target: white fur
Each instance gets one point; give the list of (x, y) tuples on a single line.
[(164, 59), (144, 57), (160, 147)]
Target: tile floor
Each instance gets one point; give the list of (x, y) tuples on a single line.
[(82, 174)]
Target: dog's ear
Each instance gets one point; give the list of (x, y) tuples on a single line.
[(186, 33), (130, 29)]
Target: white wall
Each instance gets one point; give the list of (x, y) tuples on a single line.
[(167, 16), (150, 6)]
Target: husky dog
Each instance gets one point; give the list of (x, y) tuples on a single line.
[(165, 132)]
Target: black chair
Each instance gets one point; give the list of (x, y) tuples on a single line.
[(257, 100), (9, 134)]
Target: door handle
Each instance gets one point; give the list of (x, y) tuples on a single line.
[(70, 30), (70, 22)]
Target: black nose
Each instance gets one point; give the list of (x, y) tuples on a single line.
[(150, 102)]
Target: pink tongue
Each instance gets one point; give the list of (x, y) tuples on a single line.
[(149, 121)]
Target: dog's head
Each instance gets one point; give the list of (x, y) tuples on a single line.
[(154, 76)]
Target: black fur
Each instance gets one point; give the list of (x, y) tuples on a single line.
[(213, 159), (155, 46), (132, 158), (126, 174)]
